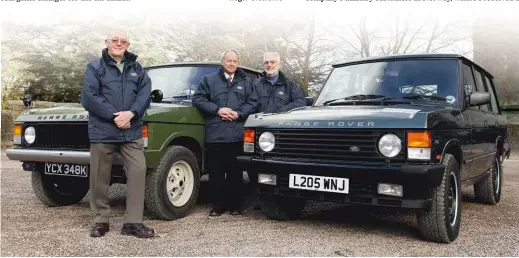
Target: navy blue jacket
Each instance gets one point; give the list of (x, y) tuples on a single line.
[(215, 92), (106, 91), (284, 95)]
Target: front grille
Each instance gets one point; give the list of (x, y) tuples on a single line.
[(331, 145), (61, 135)]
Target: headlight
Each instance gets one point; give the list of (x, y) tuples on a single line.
[(29, 135), (267, 141), (389, 145)]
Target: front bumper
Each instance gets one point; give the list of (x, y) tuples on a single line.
[(417, 181), (54, 156)]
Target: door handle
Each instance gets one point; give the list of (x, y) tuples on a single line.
[(486, 123)]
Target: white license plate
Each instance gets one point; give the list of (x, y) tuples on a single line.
[(66, 169), (319, 183)]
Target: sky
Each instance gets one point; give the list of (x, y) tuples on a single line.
[(45, 11)]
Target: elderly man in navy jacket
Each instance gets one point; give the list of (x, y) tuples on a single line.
[(116, 92), (275, 91), (226, 98)]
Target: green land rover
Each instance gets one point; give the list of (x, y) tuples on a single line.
[(53, 145), (403, 131)]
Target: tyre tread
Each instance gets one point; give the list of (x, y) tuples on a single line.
[(153, 192), (432, 223)]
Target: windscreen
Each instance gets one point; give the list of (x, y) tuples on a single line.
[(434, 80)]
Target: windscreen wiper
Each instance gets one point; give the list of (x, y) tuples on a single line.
[(364, 98), (356, 97), (422, 96)]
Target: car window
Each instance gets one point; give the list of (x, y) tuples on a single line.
[(480, 87), (468, 80), (395, 79), (178, 81), (493, 99)]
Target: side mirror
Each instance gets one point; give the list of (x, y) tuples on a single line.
[(156, 96), (309, 101), (479, 98)]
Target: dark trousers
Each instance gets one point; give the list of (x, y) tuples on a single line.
[(225, 176), (132, 154)]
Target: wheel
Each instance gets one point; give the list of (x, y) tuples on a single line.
[(442, 222), (280, 207), (172, 187), (58, 190), (488, 190)]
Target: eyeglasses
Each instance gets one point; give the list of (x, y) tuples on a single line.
[(271, 62), (121, 41)]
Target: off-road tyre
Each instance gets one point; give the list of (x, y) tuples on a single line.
[(157, 198), (57, 191), (488, 190), (443, 221)]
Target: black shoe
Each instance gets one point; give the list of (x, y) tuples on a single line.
[(137, 230), (216, 212), (99, 229)]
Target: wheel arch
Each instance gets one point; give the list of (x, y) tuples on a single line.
[(453, 147), (190, 143)]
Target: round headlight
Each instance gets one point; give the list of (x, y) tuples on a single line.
[(267, 141), (29, 135), (389, 145)]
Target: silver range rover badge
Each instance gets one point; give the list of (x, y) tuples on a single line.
[(354, 149)]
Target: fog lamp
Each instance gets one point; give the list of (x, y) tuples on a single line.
[(267, 179), (391, 189)]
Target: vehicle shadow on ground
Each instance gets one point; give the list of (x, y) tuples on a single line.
[(364, 218)]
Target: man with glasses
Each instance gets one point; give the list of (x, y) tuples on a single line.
[(276, 93), (116, 93), (226, 98)]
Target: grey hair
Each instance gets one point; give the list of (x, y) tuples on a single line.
[(227, 51), (112, 31), (276, 54)]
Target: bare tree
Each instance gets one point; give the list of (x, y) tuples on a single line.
[(308, 55), (403, 37)]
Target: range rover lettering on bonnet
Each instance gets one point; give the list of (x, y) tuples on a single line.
[(59, 117), (334, 124)]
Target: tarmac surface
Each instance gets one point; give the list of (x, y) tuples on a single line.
[(29, 228)]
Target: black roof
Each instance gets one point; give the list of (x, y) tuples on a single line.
[(409, 56), (193, 63)]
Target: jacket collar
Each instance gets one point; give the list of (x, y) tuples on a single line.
[(281, 77), (129, 57), (238, 74)]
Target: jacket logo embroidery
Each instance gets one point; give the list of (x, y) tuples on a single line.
[(133, 74), (239, 87), (281, 93)]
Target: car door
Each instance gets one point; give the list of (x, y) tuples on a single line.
[(490, 125), (500, 126), (468, 114), (477, 125)]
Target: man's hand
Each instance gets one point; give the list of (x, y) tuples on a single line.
[(123, 119), (227, 114)]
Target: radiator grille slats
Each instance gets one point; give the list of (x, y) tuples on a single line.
[(61, 136), (334, 145)]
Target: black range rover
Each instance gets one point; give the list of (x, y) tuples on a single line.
[(403, 131)]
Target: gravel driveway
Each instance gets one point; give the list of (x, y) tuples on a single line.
[(28, 228)]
